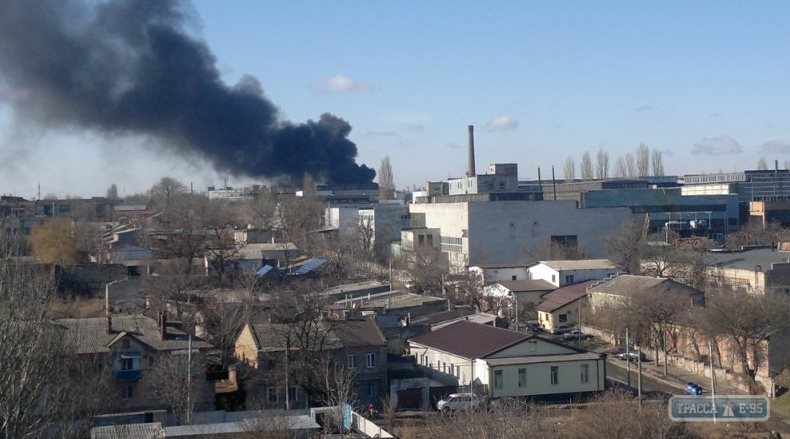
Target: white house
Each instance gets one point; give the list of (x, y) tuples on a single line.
[(502, 363), (562, 273)]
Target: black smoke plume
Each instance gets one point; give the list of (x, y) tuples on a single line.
[(130, 67)]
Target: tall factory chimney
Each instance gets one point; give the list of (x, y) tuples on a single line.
[(471, 170)]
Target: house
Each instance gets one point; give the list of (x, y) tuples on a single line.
[(490, 273), (563, 306), (562, 273), (356, 347), (501, 363), (517, 296), (756, 270), (140, 353), (620, 290)]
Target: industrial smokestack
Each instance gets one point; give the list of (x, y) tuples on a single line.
[(471, 169)]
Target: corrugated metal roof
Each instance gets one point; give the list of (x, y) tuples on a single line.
[(581, 264), (470, 340)]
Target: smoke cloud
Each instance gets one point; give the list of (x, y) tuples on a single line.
[(130, 67)]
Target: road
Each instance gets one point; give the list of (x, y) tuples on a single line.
[(616, 371)]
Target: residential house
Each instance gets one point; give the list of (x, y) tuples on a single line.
[(491, 273), (562, 273), (137, 348), (499, 363), (619, 290), (306, 351), (517, 296), (563, 306)]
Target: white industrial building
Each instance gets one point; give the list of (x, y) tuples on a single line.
[(499, 232)]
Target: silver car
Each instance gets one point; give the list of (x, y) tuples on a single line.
[(458, 401)]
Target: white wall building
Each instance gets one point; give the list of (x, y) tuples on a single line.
[(562, 273), (501, 363), (500, 232)]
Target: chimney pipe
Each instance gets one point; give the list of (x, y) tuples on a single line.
[(471, 170)]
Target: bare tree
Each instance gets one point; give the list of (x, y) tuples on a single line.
[(569, 170), (627, 246), (165, 190), (47, 391), (630, 165), (657, 161), (386, 180), (178, 382), (620, 168), (602, 164), (746, 321), (585, 167), (762, 165), (112, 192), (642, 160)]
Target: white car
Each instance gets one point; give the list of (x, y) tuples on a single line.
[(458, 401)]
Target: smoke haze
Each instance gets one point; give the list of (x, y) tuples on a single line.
[(129, 67)]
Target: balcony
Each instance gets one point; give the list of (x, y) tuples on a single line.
[(128, 375)]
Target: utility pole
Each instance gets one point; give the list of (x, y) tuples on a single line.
[(287, 360), (639, 375), (712, 380), (189, 380), (627, 360)]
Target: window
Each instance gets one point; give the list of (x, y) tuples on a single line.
[(372, 388), (452, 369), (522, 377), (563, 318), (498, 379), (271, 394), (585, 373), (421, 239), (554, 278), (127, 392), (127, 363), (351, 361), (370, 360), (555, 375), (513, 277), (568, 278), (293, 394)]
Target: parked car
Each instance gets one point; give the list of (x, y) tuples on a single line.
[(575, 334), (562, 329), (534, 327), (631, 356), (458, 401), (693, 388)]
